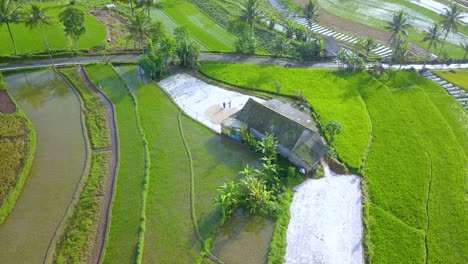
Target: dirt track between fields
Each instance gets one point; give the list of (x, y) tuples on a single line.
[(103, 227)]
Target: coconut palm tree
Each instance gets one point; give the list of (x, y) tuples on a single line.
[(139, 29), (310, 11), (368, 45), (10, 14), (398, 27), (464, 45), (450, 18), (432, 36), (37, 18), (250, 12), (289, 28)]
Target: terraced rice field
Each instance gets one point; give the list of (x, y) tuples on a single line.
[(125, 217), (169, 233), (415, 165), (456, 77), (201, 27)]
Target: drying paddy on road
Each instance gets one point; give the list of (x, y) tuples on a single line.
[(407, 173)]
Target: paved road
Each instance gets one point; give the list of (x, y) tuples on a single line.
[(208, 57)]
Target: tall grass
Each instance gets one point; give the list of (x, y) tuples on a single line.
[(125, 216)]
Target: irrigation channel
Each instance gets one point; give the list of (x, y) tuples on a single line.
[(54, 111)]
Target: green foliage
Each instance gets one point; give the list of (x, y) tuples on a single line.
[(278, 240), (229, 199), (139, 29), (333, 128), (125, 217), (10, 14), (186, 50), (157, 58), (73, 20)]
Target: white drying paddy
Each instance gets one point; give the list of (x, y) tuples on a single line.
[(326, 221), (202, 101)]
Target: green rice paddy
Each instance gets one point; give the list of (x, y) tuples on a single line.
[(415, 165), (30, 41), (456, 77)]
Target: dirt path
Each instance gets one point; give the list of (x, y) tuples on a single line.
[(103, 227), (116, 26), (6, 105)]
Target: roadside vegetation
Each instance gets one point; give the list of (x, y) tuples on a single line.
[(17, 150), (122, 239), (424, 167), (77, 241)]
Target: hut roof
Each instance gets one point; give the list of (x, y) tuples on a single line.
[(293, 129)]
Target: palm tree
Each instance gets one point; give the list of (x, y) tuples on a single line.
[(38, 18), (368, 45), (450, 18), (250, 13), (140, 28), (464, 45), (310, 11), (289, 28), (432, 35), (9, 14), (398, 26), (146, 5)]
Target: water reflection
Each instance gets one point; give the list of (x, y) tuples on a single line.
[(243, 239), (37, 88)]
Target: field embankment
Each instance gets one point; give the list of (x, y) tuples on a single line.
[(54, 111), (415, 163), (17, 151), (81, 229), (125, 217)]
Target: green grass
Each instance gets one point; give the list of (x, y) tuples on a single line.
[(77, 241), (125, 216), (30, 41), (458, 77), (331, 96), (17, 151), (415, 168), (200, 26), (169, 235)]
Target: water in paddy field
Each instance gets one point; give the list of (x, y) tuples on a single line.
[(54, 111), (243, 238)]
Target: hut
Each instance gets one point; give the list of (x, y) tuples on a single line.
[(298, 138)]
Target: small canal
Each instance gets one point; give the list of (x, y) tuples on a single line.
[(54, 111)]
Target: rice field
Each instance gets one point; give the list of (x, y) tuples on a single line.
[(169, 233), (415, 166), (125, 215), (456, 77), (202, 28), (94, 37)]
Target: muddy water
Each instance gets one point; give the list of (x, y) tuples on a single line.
[(243, 239), (54, 111)]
